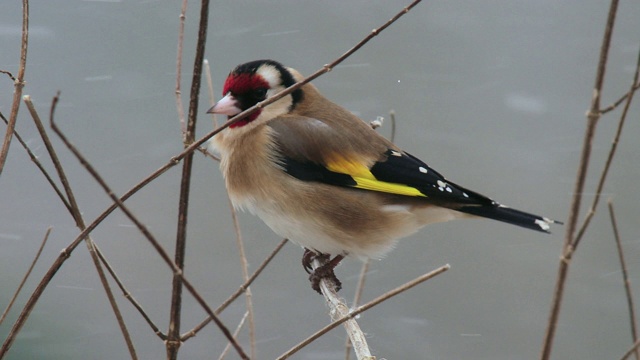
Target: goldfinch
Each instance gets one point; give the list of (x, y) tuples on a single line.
[(323, 178)]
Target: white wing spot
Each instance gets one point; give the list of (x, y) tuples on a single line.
[(422, 170), (543, 224), (395, 153), (449, 189), (465, 194), (441, 183)]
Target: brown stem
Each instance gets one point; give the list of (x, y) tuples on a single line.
[(173, 334), (26, 276), (567, 250), (18, 85), (179, 104), (612, 152), (625, 278)]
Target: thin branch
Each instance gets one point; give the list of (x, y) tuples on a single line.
[(179, 105), (612, 152), (617, 103), (338, 309), (567, 249), (245, 276), (356, 300), (625, 278), (26, 276), (234, 296), (34, 158), (127, 294), (9, 74), (392, 116), (235, 335), (633, 349), (360, 309), (173, 333), (212, 96), (18, 85)]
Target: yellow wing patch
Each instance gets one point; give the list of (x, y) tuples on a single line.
[(364, 178)]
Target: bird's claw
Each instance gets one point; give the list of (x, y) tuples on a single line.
[(324, 271)]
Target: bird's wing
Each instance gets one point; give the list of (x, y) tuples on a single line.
[(358, 157), (314, 150)]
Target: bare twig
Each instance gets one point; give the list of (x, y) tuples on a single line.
[(617, 103), (18, 85), (173, 334), (355, 312), (127, 294), (392, 116), (625, 278), (612, 152), (9, 74), (338, 309), (245, 276), (235, 335), (567, 250), (34, 158), (26, 276), (212, 96), (179, 105), (633, 349), (234, 296), (356, 300)]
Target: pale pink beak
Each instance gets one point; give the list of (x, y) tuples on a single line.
[(228, 105)]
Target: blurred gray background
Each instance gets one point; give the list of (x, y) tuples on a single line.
[(492, 94)]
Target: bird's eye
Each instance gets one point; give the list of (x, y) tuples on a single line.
[(260, 93)]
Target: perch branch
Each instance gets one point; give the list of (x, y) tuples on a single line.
[(353, 313), (338, 309)]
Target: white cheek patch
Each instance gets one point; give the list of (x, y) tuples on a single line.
[(270, 74)]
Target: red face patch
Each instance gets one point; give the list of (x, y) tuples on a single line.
[(242, 83), (239, 84)]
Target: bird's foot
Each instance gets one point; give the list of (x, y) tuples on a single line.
[(309, 256), (324, 271)]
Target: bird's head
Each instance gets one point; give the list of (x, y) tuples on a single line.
[(253, 82)]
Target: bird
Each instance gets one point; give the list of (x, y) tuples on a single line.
[(321, 177)]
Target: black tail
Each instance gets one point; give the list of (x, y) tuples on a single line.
[(506, 214)]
